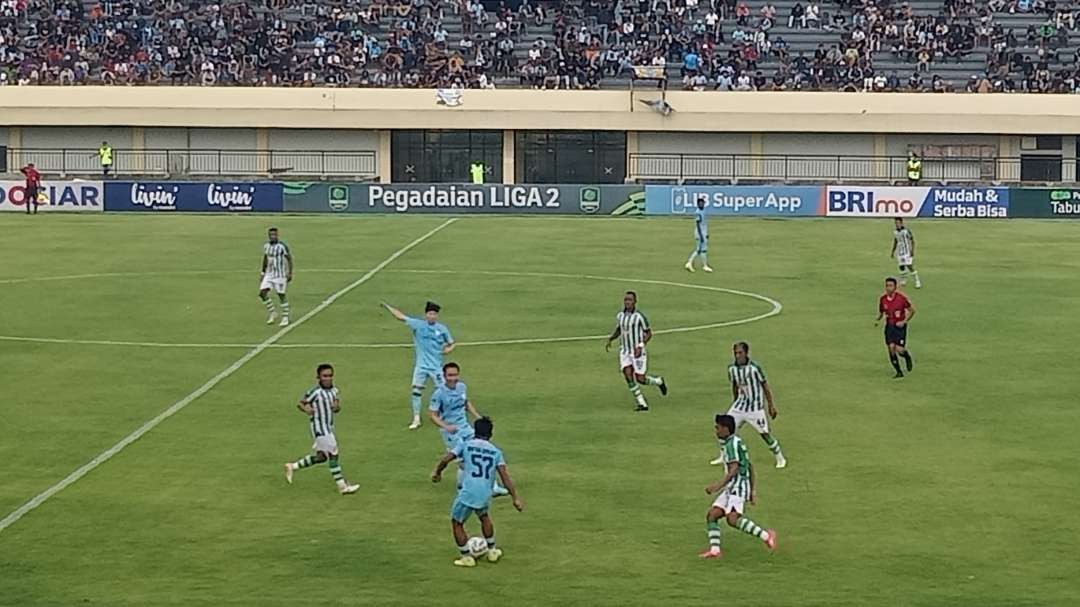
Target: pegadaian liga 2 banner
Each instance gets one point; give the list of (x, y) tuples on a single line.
[(445, 198)]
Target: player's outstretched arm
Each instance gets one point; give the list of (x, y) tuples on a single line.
[(732, 470), (396, 313), (504, 476), (614, 335), (471, 408), (436, 476), (769, 399), (438, 421)]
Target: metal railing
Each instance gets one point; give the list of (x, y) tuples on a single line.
[(198, 163), (749, 168)]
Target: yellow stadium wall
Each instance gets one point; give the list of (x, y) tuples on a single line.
[(360, 119)]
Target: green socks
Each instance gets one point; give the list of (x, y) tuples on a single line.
[(305, 462), (335, 470), (714, 534), (751, 528)]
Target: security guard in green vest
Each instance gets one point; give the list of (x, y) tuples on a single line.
[(476, 169), (105, 155), (914, 168)]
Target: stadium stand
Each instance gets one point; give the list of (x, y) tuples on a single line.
[(853, 45)]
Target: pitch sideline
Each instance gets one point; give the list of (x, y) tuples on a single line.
[(179, 405)]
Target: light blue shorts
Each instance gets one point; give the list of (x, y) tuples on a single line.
[(420, 376), (451, 440), (702, 246), (460, 513)]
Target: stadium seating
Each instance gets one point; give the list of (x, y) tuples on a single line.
[(468, 43)]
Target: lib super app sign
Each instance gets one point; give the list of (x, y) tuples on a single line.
[(944, 202)]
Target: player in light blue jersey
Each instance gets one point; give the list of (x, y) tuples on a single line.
[(432, 340), (449, 410), (480, 461), (701, 238)]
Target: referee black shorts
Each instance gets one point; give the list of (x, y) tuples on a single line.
[(895, 335)]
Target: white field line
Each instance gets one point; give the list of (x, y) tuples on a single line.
[(106, 455), (776, 308)]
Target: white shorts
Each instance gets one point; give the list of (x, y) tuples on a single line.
[(275, 284), (326, 443), (905, 260), (729, 503), (639, 364), (758, 419)]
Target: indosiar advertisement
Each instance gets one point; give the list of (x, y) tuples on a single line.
[(311, 197), (942, 202), (70, 196)]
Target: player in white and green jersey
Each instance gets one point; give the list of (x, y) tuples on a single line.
[(733, 491), (277, 271), (633, 332), (320, 404), (903, 249), (750, 392)]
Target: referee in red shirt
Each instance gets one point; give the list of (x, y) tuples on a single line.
[(897, 310), (33, 184)]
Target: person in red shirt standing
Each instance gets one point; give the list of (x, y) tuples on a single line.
[(897, 310), (33, 184)]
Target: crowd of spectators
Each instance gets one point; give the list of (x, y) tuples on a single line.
[(716, 44)]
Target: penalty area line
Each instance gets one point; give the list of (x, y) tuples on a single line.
[(179, 405)]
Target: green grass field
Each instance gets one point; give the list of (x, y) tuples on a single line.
[(956, 486)]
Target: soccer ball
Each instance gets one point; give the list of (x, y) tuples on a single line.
[(477, 546)]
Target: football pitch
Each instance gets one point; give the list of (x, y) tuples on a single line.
[(955, 486)]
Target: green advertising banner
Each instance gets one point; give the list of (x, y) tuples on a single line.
[(318, 197), (1057, 203)]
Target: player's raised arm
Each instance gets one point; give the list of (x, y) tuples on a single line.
[(504, 476), (396, 313)]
